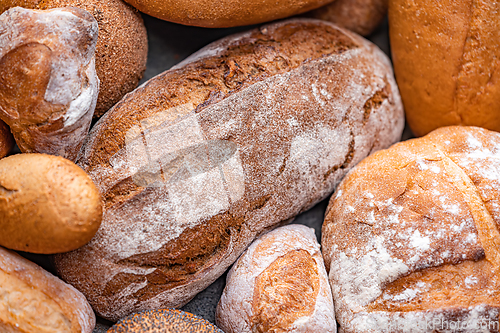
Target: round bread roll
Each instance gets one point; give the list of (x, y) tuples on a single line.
[(412, 240), (34, 301), (446, 59), (235, 140), (360, 16), (279, 284), (163, 320), (6, 139), (122, 45), (224, 13), (48, 83), (47, 204)]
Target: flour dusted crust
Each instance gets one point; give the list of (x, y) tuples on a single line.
[(200, 160), (360, 16), (411, 236), (446, 62), (279, 284), (224, 13), (35, 301), (48, 84)]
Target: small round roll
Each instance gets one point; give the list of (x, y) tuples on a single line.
[(47, 204), (163, 320)]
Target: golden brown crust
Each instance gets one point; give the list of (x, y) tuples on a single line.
[(235, 128), (412, 234), (122, 45), (6, 140), (446, 62), (360, 16), (35, 301), (285, 291), (224, 13), (48, 84), (164, 320), (47, 204)]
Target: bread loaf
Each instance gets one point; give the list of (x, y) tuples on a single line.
[(164, 320), (122, 45), (47, 204), (446, 62), (48, 84), (6, 139), (360, 16), (35, 301), (224, 13), (411, 236), (234, 141), (279, 284)]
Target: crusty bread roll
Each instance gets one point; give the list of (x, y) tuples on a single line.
[(360, 16), (446, 59), (122, 45), (47, 204), (6, 139), (279, 284), (48, 84), (34, 301), (237, 139), (224, 13), (411, 236), (163, 320)]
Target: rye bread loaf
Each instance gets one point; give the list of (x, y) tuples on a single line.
[(360, 16), (279, 284), (412, 240), (234, 141), (35, 301), (446, 59), (48, 83)]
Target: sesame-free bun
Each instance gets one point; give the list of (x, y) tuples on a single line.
[(224, 13), (412, 240), (163, 320), (122, 45)]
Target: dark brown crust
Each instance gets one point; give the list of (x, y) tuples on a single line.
[(360, 16), (226, 13), (122, 45), (298, 64)]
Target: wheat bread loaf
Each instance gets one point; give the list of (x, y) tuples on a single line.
[(234, 141), (279, 284), (411, 236), (122, 45), (35, 301), (445, 58), (48, 83)]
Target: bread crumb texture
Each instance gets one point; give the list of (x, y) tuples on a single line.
[(411, 236), (163, 320)]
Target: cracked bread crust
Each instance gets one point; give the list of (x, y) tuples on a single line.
[(48, 83), (34, 301), (446, 60), (279, 284), (411, 236), (234, 141)]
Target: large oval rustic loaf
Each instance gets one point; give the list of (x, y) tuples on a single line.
[(235, 140), (412, 239)]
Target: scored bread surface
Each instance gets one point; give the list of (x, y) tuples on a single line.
[(411, 237), (237, 139)]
